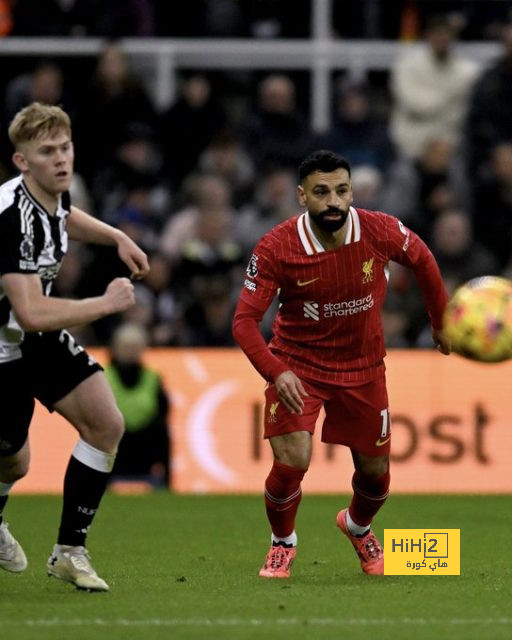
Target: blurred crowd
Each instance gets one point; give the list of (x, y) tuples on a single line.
[(197, 184), (476, 19)]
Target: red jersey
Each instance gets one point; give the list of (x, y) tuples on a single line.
[(328, 327)]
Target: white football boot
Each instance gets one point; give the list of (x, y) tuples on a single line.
[(73, 564), (12, 556)]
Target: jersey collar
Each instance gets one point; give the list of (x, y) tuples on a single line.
[(313, 245), (38, 205)]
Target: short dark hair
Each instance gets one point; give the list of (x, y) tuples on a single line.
[(322, 160)]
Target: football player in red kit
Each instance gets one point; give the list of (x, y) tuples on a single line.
[(329, 268)]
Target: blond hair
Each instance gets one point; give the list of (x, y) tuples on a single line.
[(38, 120)]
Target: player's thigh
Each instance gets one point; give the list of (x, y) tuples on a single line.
[(58, 364), (278, 420), (358, 417), (290, 434), (91, 408), (17, 404)]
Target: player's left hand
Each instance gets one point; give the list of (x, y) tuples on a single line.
[(291, 391), (133, 257), (442, 344)]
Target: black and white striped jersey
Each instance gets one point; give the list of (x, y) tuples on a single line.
[(31, 241)]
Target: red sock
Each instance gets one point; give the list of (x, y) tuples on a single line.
[(370, 493), (282, 497)]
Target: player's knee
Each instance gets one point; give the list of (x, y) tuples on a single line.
[(293, 457), (14, 471), (300, 460), (370, 465), (293, 449), (375, 466), (105, 431), (118, 424), (114, 427)]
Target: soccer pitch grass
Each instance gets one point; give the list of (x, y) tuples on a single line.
[(185, 567)]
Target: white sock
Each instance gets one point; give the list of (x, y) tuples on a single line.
[(291, 539), (356, 529), (93, 458)]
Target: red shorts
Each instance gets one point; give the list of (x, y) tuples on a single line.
[(357, 416)]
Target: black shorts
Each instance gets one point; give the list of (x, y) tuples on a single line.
[(52, 365)]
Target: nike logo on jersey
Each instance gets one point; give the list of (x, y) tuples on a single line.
[(381, 443), (303, 283)]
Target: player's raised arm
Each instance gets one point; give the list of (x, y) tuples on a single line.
[(36, 312), (85, 228)]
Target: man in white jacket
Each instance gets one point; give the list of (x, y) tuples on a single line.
[(430, 85)]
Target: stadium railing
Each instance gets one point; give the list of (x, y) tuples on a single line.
[(158, 60)]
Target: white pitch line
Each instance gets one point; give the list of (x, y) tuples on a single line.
[(252, 622)]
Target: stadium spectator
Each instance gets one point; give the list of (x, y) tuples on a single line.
[(157, 306), (136, 163), (210, 314), (44, 84), (212, 251), (403, 316), (144, 451), (35, 222), (189, 125), (225, 156), (207, 196), (367, 182), (356, 132), (430, 87), (459, 256), (80, 194), (114, 101), (488, 121), (275, 200), (277, 132), (416, 190), (329, 267), (492, 212)]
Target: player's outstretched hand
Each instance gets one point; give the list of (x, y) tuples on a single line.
[(120, 294), (133, 257), (291, 391), (442, 344)]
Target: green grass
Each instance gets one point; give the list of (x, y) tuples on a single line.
[(186, 567)]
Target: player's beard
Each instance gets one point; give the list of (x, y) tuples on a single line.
[(330, 225)]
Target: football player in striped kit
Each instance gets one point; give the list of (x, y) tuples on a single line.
[(38, 357), (328, 267)]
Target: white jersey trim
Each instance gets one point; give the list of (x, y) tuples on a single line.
[(350, 226), (311, 243), (355, 227)]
